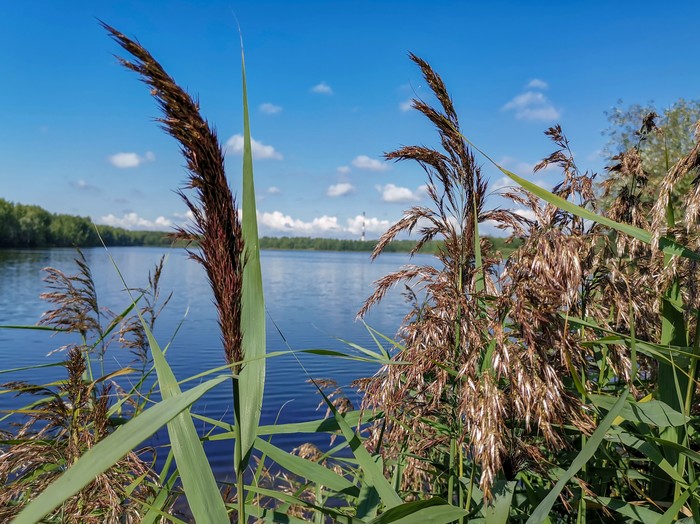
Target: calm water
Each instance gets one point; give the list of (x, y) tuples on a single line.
[(311, 296)]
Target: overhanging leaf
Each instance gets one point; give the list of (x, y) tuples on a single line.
[(110, 450), (251, 380), (543, 509)]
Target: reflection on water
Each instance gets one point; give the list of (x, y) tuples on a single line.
[(312, 297)]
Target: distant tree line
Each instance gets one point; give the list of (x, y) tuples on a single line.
[(333, 244), (32, 226)]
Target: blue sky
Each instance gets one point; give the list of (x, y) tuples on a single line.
[(329, 85)]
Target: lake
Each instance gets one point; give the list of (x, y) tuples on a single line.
[(312, 297)]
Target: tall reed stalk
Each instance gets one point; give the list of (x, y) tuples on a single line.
[(228, 252)]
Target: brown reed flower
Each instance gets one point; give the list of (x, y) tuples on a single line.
[(484, 354), (71, 420), (216, 225), (77, 308)]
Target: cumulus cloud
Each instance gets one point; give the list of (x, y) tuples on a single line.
[(406, 105), (270, 109), (322, 89), (273, 190), (127, 160), (278, 221), (260, 151), (323, 226), (134, 221), (371, 224), (394, 193), (532, 105), (343, 170), (343, 188), (371, 164), (187, 215), (536, 83)]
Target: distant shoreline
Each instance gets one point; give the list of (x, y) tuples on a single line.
[(28, 227), (280, 244)]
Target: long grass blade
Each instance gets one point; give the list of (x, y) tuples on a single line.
[(543, 509), (251, 380), (307, 469), (374, 475), (434, 511), (198, 481), (108, 451), (667, 245)]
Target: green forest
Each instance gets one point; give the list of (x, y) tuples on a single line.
[(396, 246), (32, 226)]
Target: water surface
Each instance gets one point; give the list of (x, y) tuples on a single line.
[(312, 297)]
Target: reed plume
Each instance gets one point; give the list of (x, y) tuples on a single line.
[(71, 420), (216, 225), (485, 353), (77, 308)]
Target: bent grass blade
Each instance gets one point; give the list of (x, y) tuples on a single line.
[(110, 450)]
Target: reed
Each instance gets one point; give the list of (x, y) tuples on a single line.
[(558, 387)]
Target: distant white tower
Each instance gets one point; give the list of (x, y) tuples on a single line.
[(363, 227)]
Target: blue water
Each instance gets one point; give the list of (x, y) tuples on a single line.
[(312, 297)]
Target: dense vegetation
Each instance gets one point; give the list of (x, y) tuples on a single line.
[(32, 226), (396, 246), (559, 386)]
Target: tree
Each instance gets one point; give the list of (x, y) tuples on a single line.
[(672, 138), (9, 227), (33, 225)]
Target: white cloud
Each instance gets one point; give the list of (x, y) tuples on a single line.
[(393, 193), (527, 213), (134, 221), (273, 190), (321, 226), (84, 186), (407, 105), (281, 222), (536, 83), (260, 151), (343, 170), (322, 89), (270, 109), (127, 160), (532, 105), (372, 225), (343, 188), (371, 164), (187, 215)]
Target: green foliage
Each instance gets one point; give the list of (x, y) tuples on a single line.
[(673, 138), (32, 226), (504, 245)]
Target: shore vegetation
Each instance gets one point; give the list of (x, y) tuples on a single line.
[(559, 385)]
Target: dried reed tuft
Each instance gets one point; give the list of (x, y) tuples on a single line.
[(486, 354), (77, 309), (71, 421), (216, 225)]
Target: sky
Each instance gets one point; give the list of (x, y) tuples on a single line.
[(329, 86)]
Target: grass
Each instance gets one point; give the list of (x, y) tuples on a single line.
[(558, 385)]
